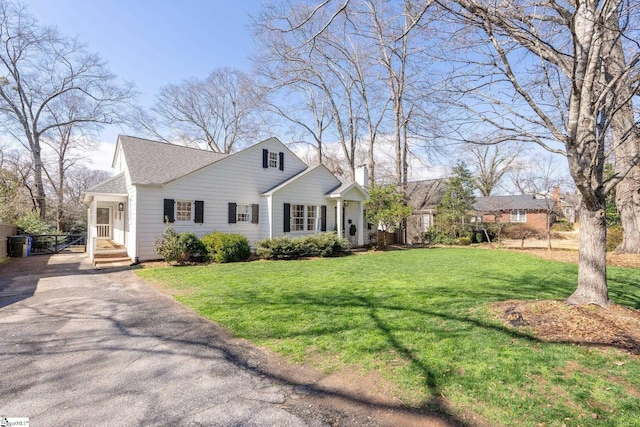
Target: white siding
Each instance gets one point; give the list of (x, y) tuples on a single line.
[(131, 209), (310, 189), (236, 179)]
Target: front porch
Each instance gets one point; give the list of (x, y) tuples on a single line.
[(349, 213)]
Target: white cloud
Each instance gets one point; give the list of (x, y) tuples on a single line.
[(100, 156)]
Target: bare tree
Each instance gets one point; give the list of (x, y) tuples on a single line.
[(39, 66), (78, 179), (64, 143), (400, 36), (538, 174), (306, 110), (329, 66), (220, 112), (542, 82), (490, 163), (366, 59), (624, 130)]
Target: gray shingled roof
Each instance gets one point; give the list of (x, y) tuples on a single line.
[(425, 194), (114, 185), (503, 203), (153, 162)]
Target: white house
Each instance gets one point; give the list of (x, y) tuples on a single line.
[(263, 191)]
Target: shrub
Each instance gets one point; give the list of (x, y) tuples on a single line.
[(223, 247), (464, 241), (191, 248), (562, 225), (167, 245), (180, 248), (614, 238), (322, 244), (435, 237), (32, 224), (521, 231)]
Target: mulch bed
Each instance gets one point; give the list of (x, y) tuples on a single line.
[(555, 321)]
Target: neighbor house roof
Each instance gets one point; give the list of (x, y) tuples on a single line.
[(114, 185), (155, 163), (426, 194), (505, 203)]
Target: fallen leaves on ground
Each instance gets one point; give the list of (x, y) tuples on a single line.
[(555, 321)]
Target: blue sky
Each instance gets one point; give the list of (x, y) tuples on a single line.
[(155, 42)]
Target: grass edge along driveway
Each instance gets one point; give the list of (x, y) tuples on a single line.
[(419, 318)]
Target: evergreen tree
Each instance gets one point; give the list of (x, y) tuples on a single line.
[(386, 208), (457, 200)]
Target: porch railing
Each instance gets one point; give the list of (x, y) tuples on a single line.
[(104, 230)]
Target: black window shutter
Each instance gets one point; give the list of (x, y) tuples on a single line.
[(323, 218), (265, 158), (232, 213), (281, 161), (287, 217), (168, 210), (199, 217), (255, 213)]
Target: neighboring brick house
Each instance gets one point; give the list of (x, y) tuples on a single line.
[(423, 196), (535, 213)]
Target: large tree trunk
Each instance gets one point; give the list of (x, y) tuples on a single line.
[(38, 183), (628, 204), (592, 264), (626, 141)]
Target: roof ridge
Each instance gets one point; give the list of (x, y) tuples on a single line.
[(171, 144)]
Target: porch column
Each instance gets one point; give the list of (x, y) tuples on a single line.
[(360, 224), (91, 228), (339, 225)]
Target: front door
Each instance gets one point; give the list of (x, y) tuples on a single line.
[(103, 222)]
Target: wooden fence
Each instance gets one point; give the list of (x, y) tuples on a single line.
[(6, 230)]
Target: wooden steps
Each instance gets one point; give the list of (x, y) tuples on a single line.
[(111, 254)]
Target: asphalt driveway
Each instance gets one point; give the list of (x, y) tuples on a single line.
[(82, 347)]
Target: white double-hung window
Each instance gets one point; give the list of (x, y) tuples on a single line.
[(518, 215), (312, 218)]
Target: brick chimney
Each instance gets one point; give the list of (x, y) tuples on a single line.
[(556, 194)]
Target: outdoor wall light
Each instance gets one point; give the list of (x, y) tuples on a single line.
[(120, 207)]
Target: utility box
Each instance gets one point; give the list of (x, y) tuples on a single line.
[(20, 246)]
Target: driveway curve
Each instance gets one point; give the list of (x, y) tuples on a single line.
[(83, 347)]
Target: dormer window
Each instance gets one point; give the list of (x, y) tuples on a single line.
[(272, 159)]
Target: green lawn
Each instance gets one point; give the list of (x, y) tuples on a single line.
[(419, 317)]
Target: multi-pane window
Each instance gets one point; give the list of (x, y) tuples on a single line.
[(297, 217), (518, 215), (312, 217), (183, 211), (305, 218), (273, 160), (427, 222), (243, 213)]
